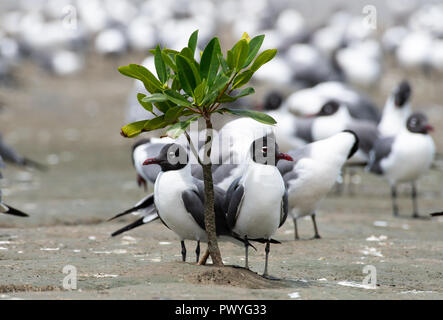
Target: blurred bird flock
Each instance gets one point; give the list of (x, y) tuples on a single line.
[(345, 75)]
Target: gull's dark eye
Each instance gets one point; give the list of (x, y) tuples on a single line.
[(264, 149)]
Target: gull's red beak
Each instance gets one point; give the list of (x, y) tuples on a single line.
[(150, 161), (284, 156), (428, 127)]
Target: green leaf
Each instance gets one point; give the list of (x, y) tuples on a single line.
[(155, 97), (230, 60), (240, 53), (185, 74), (160, 65), (173, 114), (243, 93), (224, 65), (169, 61), (242, 79), (256, 115), (177, 98), (155, 123), (170, 51), (209, 62), (254, 46), (133, 129), (262, 58), (200, 92), (147, 105), (175, 84), (178, 128), (141, 73), (163, 106), (192, 43), (186, 52), (220, 82)]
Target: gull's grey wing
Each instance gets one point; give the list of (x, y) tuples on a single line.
[(367, 133), (284, 209), (194, 203), (223, 172), (303, 129), (234, 198), (194, 206), (382, 149), (286, 167), (197, 171)]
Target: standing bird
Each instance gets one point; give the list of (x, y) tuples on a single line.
[(314, 172), (179, 199), (397, 110), (404, 157), (257, 202)]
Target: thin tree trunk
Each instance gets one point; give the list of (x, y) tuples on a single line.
[(214, 251)]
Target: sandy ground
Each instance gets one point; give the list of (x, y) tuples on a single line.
[(73, 125)]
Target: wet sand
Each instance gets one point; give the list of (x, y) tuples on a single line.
[(72, 124)]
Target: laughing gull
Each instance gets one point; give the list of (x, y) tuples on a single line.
[(257, 202), (309, 101), (179, 199), (397, 110), (143, 149), (334, 118), (404, 157), (314, 171), (10, 155), (150, 147), (4, 208)]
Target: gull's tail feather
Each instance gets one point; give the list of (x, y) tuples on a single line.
[(34, 164), (435, 214), (12, 211), (145, 203), (151, 216), (261, 240)]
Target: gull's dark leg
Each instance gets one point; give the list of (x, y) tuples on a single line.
[(295, 229), (394, 200), (414, 201), (197, 251), (316, 235), (341, 186), (183, 251), (246, 253), (351, 174), (265, 274)]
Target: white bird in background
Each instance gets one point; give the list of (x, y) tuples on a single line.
[(404, 157), (111, 42), (396, 111), (334, 118), (313, 173), (309, 101), (415, 50)]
